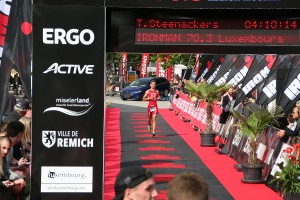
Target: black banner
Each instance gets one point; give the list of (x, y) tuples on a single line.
[(15, 45), (240, 69), (258, 72), (227, 65), (205, 65), (68, 102), (270, 86), (203, 4), (291, 91), (216, 64)]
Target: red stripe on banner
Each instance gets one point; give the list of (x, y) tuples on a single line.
[(160, 157), (149, 135), (137, 113), (141, 126), (164, 165), (153, 142), (163, 177), (141, 131), (140, 122), (139, 118), (156, 149)]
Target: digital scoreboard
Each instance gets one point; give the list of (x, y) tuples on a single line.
[(218, 31), (254, 32)]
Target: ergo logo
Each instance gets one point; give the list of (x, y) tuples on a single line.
[(72, 36)]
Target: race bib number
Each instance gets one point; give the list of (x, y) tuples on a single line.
[(152, 109)]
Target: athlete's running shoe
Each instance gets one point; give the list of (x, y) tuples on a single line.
[(149, 128), (153, 134)]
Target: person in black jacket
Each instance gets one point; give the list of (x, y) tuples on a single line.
[(286, 133), (225, 100)]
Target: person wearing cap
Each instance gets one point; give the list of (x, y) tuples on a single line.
[(152, 95), (135, 183), (20, 110)]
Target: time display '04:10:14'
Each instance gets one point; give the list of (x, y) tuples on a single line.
[(271, 24)]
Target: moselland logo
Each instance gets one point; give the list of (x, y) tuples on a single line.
[(62, 102), (70, 69), (66, 139)]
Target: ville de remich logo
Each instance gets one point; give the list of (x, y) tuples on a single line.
[(48, 138), (62, 103)]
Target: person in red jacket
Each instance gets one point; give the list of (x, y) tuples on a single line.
[(152, 95)]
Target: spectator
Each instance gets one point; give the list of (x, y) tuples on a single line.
[(11, 187), (15, 131), (26, 140), (224, 102), (9, 105), (20, 110), (135, 183), (3, 129), (287, 133), (187, 186), (248, 106)]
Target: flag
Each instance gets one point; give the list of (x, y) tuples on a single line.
[(144, 65), (270, 87), (258, 73), (291, 88)]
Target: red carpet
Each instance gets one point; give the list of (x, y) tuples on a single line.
[(112, 154), (221, 166)]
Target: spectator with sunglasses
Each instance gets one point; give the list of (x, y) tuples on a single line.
[(135, 183)]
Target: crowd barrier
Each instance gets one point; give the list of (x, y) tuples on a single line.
[(231, 141)]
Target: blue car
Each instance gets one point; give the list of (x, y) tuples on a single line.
[(137, 89)]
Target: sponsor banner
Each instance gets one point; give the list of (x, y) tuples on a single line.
[(170, 73), (291, 88), (15, 45), (160, 71), (240, 69), (123, 67), (205, 65), (269, 88), (218, 60), (229, 64), (69, 101), (144, 65), (197, 63), (66, 179), (258, 73)]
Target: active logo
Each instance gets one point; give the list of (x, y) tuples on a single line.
[(70, 69)]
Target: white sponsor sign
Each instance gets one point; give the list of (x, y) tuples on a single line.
[(65, 179)]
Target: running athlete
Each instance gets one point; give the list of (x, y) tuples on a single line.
[(152, 95)]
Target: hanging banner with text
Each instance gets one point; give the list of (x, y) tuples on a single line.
[(68, 102)]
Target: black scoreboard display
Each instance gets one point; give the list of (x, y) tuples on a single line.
[(255, 32), (208, 26)]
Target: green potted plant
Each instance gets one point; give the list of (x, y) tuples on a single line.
[(288, 177), (208, 93), (252, 127)]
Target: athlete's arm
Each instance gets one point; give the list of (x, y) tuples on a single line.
[(158, 96), (145, 97)]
